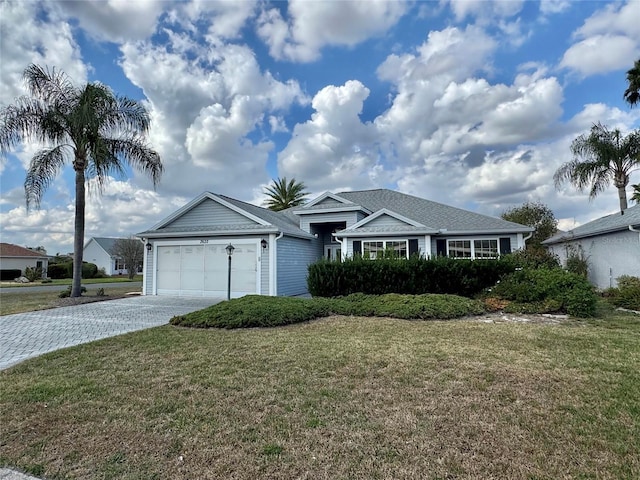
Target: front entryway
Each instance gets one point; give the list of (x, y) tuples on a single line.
[(202, 270), (333, 252)]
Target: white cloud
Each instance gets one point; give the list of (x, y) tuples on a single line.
[(27, 39), (204, 113), (334, 148), (548, 7), (484, 10), (115, 20), (313, 25), (609, 40)]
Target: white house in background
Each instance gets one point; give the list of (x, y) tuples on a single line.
[(611, 244), (14, 257), (185, 253), (98, 250)]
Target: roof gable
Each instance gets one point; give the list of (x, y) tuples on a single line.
[(106, 243), (386, 218), (327, 199), (209, 209)]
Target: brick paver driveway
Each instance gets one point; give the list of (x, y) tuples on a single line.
[(26, 335)]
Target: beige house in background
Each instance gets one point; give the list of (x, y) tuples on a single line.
[(17, 257)]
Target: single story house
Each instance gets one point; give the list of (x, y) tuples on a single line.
[(15, 257), (611, 245), (185, 253), (98, 250)]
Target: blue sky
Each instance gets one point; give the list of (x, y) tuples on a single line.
[(469, 103)]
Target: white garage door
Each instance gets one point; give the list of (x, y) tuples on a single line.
[(202, 270)]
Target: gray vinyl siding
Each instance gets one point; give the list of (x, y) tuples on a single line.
[(329, 202), (210, 213), (349, 217), (148, 273), (294, 256), (609, 256), (513, 237), (386, 221)]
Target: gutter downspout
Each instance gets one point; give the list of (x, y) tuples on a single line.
[(524, 240), (273, 264), (343, 251)]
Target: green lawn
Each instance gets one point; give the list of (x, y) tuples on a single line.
[(340, 397)]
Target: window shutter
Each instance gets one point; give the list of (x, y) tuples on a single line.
[(357, 247), (413, 246), (505, 245), (441, 247)]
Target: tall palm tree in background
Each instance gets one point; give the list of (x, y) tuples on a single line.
[(282, 195), (632, 93), (88, 126), (635, 195), (601, 158)]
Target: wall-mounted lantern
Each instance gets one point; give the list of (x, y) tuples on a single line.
[(149, 247), (264, 244)]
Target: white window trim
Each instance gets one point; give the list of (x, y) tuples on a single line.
[(384, 243), (473, 248)]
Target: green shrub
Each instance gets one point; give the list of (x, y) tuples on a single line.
[(627, 295), (547, 288), (577, 261), (65, 270), (33, 273), (67, 293), (260, 311), (535, 258), (406, 276)]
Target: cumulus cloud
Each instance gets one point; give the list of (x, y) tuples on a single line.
[(609, 40), (115, 20), (34, 41), (204, 113), (334, 147), (484, 10), (313, 25)]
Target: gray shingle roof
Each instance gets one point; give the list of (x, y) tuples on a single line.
[(106, 243), (431, 214), (609, 223)]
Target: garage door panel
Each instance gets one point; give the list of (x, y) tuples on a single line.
[(203, 269), (168, 269)]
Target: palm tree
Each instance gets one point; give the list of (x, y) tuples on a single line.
[(635, 196), (600, 158), (632, 94), (89, 126), (284, 195)]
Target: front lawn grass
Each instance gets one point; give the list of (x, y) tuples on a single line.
[(68, 281), (340, 397)]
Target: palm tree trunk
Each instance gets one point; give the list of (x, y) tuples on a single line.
[(622, 196), (78, 235)]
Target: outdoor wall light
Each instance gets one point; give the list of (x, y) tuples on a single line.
[(264, 244), (149, 247)]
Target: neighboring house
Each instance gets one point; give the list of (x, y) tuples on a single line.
[(611, 245), (98, 250), (185, 253), (14, 257)]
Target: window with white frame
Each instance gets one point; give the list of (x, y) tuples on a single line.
[(480, 248), (375, 249), (119, 264)]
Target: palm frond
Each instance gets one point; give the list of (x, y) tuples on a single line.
[(53, 87), (282, 194), (632, 93), (43, 169), (135, 152)]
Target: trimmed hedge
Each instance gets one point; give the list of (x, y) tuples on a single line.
[(406, 276), (260, 311), (65, 270), (10, 273), (548, 290)]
